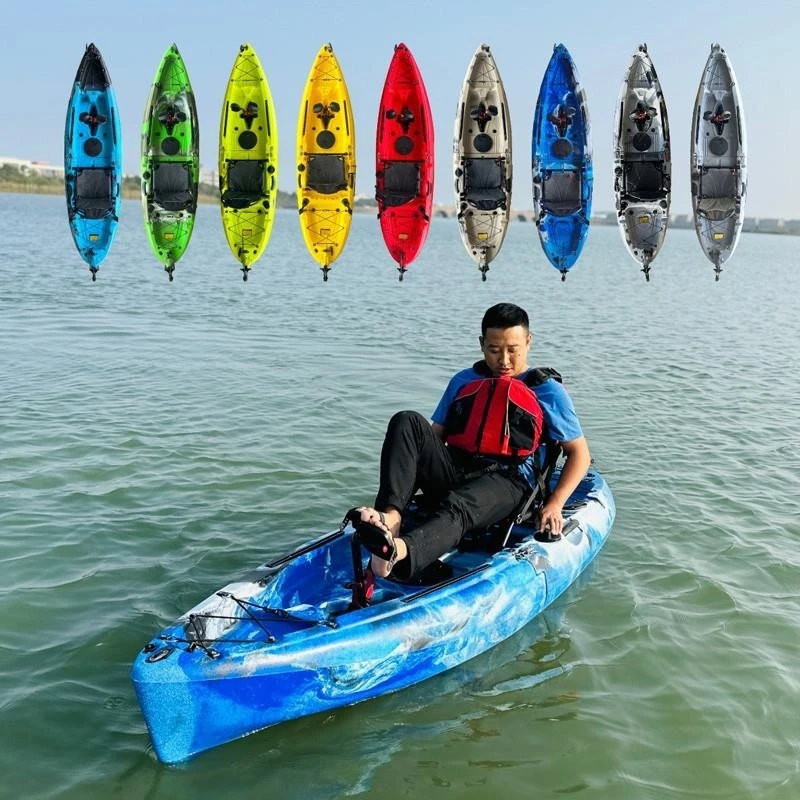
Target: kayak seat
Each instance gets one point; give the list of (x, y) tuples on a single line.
[(172, 186), (496, 536), (434, 573), (400, 183), (326, 174), (245, 184), (485, 540), (719, 193), (93, 193), (483, 179), (645, 180), (561, 192)]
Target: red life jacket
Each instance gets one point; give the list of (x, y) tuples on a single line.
[(497, 417)]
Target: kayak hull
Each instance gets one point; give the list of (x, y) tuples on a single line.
[(718, 160), (404, 159), (170, 160), (248, 160), (562, 163), (482, 160), (326, 162), (642, 160), (92, 160), (283, 643)]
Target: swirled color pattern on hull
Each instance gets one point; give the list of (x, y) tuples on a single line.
[(562, 163), (719, 160), (284, 641), (170, 160), (642, 161)]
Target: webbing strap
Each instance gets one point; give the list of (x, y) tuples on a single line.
[(540, 492)]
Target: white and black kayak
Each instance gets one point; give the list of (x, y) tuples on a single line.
[(482, 160), (304, 634), (642, 161), (719, 173)]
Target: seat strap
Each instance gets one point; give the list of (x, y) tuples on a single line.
[(538, 493)]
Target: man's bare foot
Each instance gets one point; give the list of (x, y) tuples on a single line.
[(390, 520), (389, 523), (381, 567)]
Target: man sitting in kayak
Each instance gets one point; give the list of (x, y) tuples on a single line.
[(472, 480)]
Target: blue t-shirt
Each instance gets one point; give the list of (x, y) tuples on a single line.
[(561, 423)]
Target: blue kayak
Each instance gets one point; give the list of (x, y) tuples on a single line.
[(92, 160), (562, 163), (287, 640)]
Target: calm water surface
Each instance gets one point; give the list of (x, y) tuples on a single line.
[(157, 439)]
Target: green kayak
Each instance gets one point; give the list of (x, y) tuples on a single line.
[(170, 161)]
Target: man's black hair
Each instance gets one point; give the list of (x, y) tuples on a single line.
[(504, 315)]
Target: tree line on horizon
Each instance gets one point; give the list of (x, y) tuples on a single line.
[(18, 177)]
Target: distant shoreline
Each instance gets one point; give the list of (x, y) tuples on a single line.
[(208, 195), (127, 194)]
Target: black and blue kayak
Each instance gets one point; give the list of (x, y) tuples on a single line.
[(297, 636), (92, 160), (562, 163)]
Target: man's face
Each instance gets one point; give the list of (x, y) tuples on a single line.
[(506, 350)]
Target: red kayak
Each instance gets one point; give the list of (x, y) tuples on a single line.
[(404, 159)]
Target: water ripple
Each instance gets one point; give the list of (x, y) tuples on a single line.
[(159, 439)]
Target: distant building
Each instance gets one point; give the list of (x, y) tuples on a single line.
[(209, 176), (34, 167)]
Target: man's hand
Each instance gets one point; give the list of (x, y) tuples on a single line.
[(576, 463), (549, 517)]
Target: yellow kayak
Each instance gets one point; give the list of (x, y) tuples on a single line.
[(248, 159), (326, 163)]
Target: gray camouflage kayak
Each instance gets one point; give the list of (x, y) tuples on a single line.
[(642, 161), (718, 160)]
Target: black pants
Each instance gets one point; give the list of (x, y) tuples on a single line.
[(414, 458)]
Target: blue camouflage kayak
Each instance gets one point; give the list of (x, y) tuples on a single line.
[(288, 639), (92, 160), (562, 163)]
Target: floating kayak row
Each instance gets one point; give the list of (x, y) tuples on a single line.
[(643, 160), (561, 160)]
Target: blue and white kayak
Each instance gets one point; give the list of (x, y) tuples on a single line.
[(562, 163), (285, 641), (92, 160)]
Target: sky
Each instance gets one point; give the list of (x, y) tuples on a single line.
[(43, 43)]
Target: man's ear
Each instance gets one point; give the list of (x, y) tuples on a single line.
[(480, 341)]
